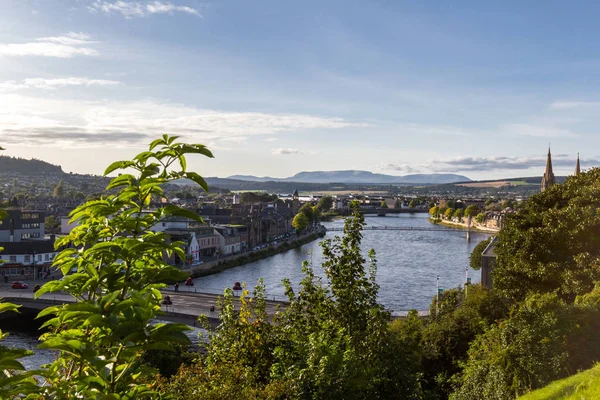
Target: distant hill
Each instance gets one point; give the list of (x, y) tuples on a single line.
[(356, 176), (23, 166)]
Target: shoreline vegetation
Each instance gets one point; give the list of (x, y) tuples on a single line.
[(461, 225), (216, 266)]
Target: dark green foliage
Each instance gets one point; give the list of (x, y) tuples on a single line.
[(524, 352), (475, 257), (325, 203), (444, 338), (256, 197), (167, 363), (553, 242)]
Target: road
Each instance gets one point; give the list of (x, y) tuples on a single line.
[(188, 303)]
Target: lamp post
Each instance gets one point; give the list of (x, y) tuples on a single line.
[(34, 267)]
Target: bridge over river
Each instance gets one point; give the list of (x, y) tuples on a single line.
[(187, 305), (400, 228)]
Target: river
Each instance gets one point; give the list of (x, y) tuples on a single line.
[(408, 264)]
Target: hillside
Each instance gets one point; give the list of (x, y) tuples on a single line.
[(584, 385), (356, 176), (23, 166)]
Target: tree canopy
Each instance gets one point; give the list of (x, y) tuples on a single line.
[(553, 242)]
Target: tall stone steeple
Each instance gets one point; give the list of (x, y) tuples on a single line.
[(578, 166), (548, 178)]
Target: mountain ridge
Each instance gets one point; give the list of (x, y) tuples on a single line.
[(358, 176)]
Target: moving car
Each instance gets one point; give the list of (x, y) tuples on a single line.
[(19, 285)]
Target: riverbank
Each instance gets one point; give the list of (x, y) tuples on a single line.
[(474, 227), (216, 266)]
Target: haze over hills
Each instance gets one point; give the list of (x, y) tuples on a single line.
[(356, 176)]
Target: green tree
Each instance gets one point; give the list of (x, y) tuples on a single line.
[(524, 352), (459, 214), (59, 189), (552, 244), (475, 258), (434, 212), (449, 213), (383, 204), (412, 204), (307, 210), (480, 218), (102, 337), (444, 339), (325, 203), (51, 222), (431, 204), (300, 222), (471, 211)]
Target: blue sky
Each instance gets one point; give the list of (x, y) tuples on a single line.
[(277, 87)]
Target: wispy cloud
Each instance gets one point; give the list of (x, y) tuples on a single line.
[(488, 164), (538, 131), (50, 84), (405, 168), (271, 139), (68, 123), (67, 46), (565, 105), (505, 163), (282, 151), (133, 9)]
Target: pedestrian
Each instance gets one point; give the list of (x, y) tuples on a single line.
[(176, 286)]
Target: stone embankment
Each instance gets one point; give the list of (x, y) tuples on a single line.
[(223, 263)]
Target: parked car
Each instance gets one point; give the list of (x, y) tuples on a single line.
[(19, 285)]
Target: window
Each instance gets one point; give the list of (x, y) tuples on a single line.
[(13, 258), (30, 226), (30, 235), (27, 258), (46, 257), (40, 257), (30, 216)]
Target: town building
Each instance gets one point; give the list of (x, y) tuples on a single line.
[(488, 260), (27, 253)]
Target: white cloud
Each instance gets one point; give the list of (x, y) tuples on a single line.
[(565, 105), (132, 9), (33, 120), (271, 139), (479, 164), (66, 46), (50, 84), (282, 151)]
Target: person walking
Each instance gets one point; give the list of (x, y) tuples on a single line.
[(176, 286)]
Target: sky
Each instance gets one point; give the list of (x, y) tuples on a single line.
[(478, 88)]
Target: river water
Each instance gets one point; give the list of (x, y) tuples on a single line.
[(408, 264)]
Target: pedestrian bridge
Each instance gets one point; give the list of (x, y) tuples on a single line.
[(186, 307), (400, 228)]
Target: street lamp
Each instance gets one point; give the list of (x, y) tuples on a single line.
[(34, 267)]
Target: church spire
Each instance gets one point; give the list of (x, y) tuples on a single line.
[(548, 178), (577, 166)]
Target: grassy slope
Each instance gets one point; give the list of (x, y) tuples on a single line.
[(582, 386)]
